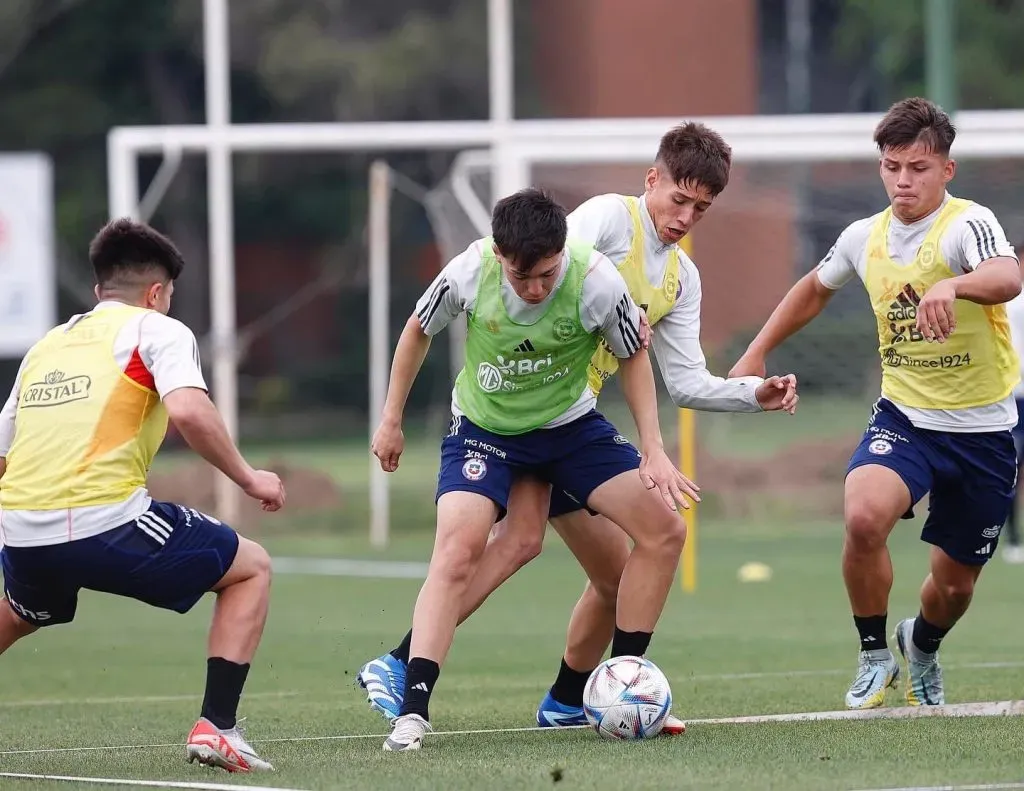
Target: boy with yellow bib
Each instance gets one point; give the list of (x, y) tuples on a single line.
[(938, 271), (641, 236), (85, 418)]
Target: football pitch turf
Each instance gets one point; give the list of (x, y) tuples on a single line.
[(124, 674)]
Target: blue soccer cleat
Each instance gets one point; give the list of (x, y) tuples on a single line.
[(383, 679), (552, 714)]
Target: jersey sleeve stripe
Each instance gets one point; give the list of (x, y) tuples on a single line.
[(427, 314), (628, 333), (977, 238), (990, 238)]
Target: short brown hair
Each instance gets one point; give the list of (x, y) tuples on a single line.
[(694, 152), (913, 121)]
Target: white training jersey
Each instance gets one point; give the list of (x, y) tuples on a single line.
[(1015, 315), (454, 292), (605, 222), (975, 236), (170, 353)]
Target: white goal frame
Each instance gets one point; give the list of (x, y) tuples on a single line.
[(508, 148)]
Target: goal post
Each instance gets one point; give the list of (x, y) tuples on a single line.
[(512, 151)]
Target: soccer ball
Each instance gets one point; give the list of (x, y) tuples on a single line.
[(627, 697)]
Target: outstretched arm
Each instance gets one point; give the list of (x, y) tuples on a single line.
[(804, 301), (388, 440)]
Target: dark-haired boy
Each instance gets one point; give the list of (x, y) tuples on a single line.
[(640, 235), (87, 414), (937, 270), (537, 307)]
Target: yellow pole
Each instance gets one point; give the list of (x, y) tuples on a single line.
[(688, 467)]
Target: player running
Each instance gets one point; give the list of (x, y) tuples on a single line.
[(937, 270)]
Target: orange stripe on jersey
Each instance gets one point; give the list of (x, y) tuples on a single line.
[(121, 420), (137, 371)]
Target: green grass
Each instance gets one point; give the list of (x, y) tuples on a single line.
[(81, 685)]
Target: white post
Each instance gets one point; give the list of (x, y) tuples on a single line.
[(380, 266), (122, 178), (216, 46), (505, 175)]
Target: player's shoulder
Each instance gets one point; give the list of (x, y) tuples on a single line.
[(607, 203), (975, 211)]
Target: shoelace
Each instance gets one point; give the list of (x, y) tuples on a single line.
[(407, 729)]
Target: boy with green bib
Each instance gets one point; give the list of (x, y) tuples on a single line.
[(538, 307), (937, 270), (641, 236)]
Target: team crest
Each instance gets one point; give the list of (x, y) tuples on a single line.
[(474, 469), (492, 326), (673, 287), (926, 255), (565, 328), (880, 447)]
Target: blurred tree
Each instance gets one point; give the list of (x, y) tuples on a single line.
[(990, 69)]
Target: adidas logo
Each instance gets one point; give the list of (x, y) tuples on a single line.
[(525, 346), (422, 687), (985, 550)]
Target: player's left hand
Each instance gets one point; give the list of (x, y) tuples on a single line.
[(936, 319), (658, 472), (387, 444), (645, 330), (778, 393)]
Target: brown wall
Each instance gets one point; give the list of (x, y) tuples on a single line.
[(678, 59)]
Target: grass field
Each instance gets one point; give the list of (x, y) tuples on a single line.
[(127, 675)]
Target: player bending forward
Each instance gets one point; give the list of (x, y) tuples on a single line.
[(87, 414), (537, 309), (641, 236)]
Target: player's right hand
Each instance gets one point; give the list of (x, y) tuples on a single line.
[(658, 472), (750, 364), (266, 487), (387, 444)]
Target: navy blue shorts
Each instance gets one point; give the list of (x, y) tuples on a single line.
[(575, 459), (970, 478), (168, 557), (1018, 431)]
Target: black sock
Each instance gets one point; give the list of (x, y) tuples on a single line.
[(402, 652), (630, 643), (568, 688), (224, 682), (927, 637), (420, 679), (872, 631)]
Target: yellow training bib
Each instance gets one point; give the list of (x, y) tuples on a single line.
[(85, 432), (657, 301), (976, 366)]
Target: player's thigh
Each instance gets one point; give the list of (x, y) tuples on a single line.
[(251, 561), (35, 587), (641, 512), (601, 546), (529, 501), (971, 501), (889, 471), (169, 557)]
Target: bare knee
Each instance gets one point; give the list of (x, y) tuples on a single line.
[(605, 591), (453, 563), (867, 526), (15, 622), (668, 535), (252, 562)]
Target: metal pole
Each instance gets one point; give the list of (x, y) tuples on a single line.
[(379, 249), (216, 52), (940, 53)]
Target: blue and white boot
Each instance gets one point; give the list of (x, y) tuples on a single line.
[(552, 714), (383, 679)]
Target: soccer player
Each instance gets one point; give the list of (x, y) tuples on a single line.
[(640, 235), (85, 418), (937, 270), (537, 308), (1013, 552)]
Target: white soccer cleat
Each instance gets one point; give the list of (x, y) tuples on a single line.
[(876, 672), (673, 726), (924, 673), (407, 734), (227, 749)]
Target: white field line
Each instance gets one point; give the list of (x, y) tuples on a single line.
[(1004, 708), (113, 781), (978, 787)]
